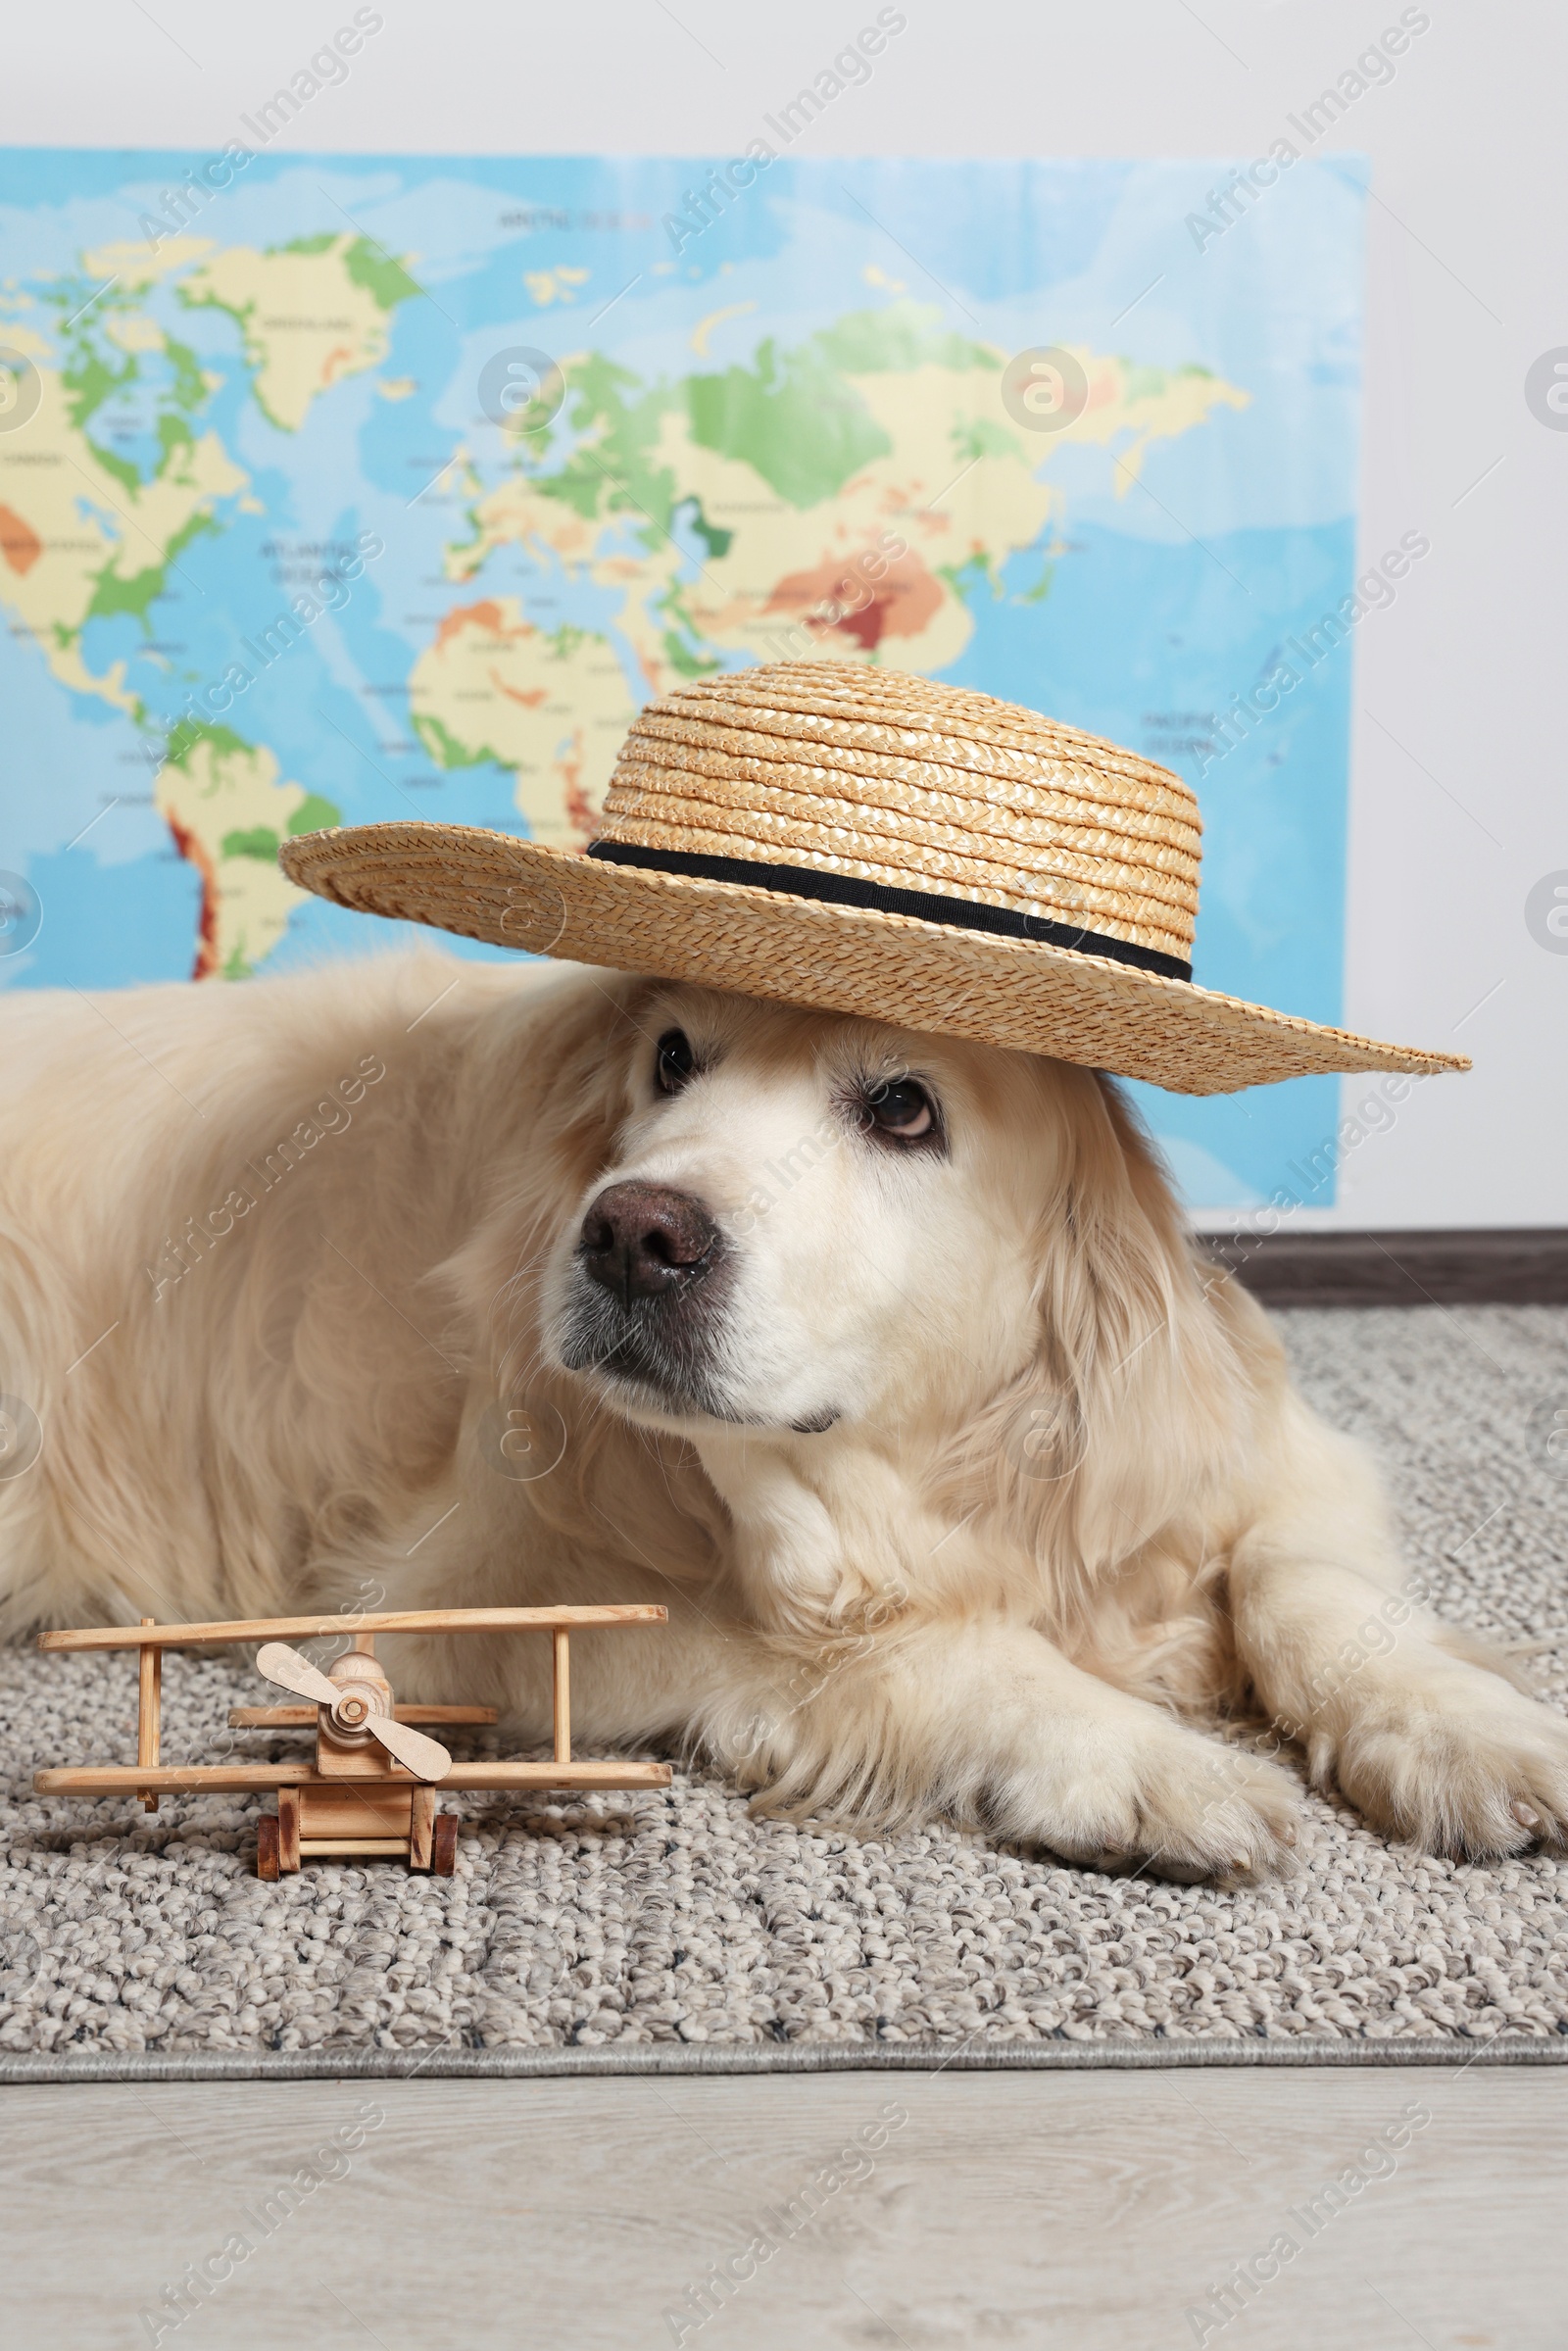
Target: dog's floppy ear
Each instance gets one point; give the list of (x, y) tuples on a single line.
[(1134, 1384), (553, 1068), (560, 1063)]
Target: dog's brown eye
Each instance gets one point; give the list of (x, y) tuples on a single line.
[(675, 1063), (902, 1110)]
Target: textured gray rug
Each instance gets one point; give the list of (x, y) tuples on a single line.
[(673, 1932)]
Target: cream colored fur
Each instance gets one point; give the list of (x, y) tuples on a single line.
[(277, 1260)]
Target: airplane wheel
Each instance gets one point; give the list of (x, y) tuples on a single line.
[(266, 1845), (444, 1846)]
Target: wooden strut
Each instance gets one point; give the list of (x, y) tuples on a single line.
[(464, 1778), (149, 1710), (561, 1662), (318, 1627), (304, 1718)]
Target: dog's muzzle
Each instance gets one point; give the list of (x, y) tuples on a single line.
[(647, 1305)]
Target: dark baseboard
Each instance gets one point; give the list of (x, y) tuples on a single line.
[(1518, 1267)]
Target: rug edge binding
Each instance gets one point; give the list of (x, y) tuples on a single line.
[(443, 2062)]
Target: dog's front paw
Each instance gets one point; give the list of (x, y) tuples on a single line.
[(1457, 1760), (1166, 1801)]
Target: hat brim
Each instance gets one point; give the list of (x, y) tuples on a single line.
[(1022, 994)]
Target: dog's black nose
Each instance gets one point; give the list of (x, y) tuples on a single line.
[(643, 1240)]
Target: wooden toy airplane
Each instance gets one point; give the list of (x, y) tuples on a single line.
[(374, 1785)]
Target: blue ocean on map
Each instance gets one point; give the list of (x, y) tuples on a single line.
[(342, 488)]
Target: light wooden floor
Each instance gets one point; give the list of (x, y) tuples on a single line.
[(1080, 2210)]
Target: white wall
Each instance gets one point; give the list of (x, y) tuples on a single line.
[(1458, 801)]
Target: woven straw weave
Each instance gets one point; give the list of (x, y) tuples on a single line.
[(1037, 817), (875, 778)]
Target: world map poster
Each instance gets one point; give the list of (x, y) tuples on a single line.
[(335, 489)]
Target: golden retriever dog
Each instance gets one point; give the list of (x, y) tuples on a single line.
[(883, 1359)]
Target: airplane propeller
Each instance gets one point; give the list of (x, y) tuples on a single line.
[(427, 1758)]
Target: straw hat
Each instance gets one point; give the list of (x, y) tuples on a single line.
[(871, 843)]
